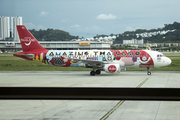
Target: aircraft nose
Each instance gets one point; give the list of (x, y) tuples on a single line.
[(168, 61)]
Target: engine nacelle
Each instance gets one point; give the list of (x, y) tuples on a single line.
[(112, 68)]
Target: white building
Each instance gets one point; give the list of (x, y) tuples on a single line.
[(4, 27), (15, 21), (133, 42)]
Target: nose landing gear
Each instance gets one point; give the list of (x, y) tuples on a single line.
[(148, 71)]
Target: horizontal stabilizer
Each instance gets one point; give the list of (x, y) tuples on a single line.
[(26, 55)]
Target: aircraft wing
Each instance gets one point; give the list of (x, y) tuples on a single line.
[(92, 62)]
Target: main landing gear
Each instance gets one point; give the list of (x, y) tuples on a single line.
[(92, 73), (148, 71)]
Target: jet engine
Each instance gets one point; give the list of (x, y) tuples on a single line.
[(112, 68), (116, 67)]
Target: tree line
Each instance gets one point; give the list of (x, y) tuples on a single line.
[(52, 35)]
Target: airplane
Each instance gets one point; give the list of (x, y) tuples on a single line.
[(110, 61)]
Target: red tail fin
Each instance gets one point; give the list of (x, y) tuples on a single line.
[(28, 41)]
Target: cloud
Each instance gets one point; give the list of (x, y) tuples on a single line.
[(129, 28), (93, 28), (106, 17), (33, 26), (76, 26), (66, 20), (43, 13)]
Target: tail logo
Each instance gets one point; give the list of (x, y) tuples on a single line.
[(27, 44), (27, 40)]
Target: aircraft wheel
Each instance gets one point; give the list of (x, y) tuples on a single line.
[(149, 73), (92, 73), (98, 72)]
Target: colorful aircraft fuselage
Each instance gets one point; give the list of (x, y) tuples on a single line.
[(111, 61)]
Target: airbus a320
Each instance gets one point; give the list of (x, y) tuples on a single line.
[(110, 61)]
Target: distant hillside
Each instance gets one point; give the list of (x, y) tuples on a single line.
[(52, 35), (169, 33)]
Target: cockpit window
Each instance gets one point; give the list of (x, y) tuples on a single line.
[(161, 55)]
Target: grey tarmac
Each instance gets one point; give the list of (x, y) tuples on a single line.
[(89, 109)]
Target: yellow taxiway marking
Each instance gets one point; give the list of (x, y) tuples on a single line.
[(120, 103), (112, 110), (142, 83)]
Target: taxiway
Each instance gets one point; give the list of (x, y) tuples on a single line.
[(89, 109)]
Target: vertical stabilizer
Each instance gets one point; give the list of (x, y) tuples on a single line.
[(28, 41)]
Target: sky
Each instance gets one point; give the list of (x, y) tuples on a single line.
[(87, 18)]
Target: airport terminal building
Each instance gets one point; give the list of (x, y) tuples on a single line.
[(11, 46)]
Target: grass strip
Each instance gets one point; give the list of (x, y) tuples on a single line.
[(8, 62)]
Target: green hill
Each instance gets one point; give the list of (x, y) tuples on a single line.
[(169, 33), (52, 35)]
